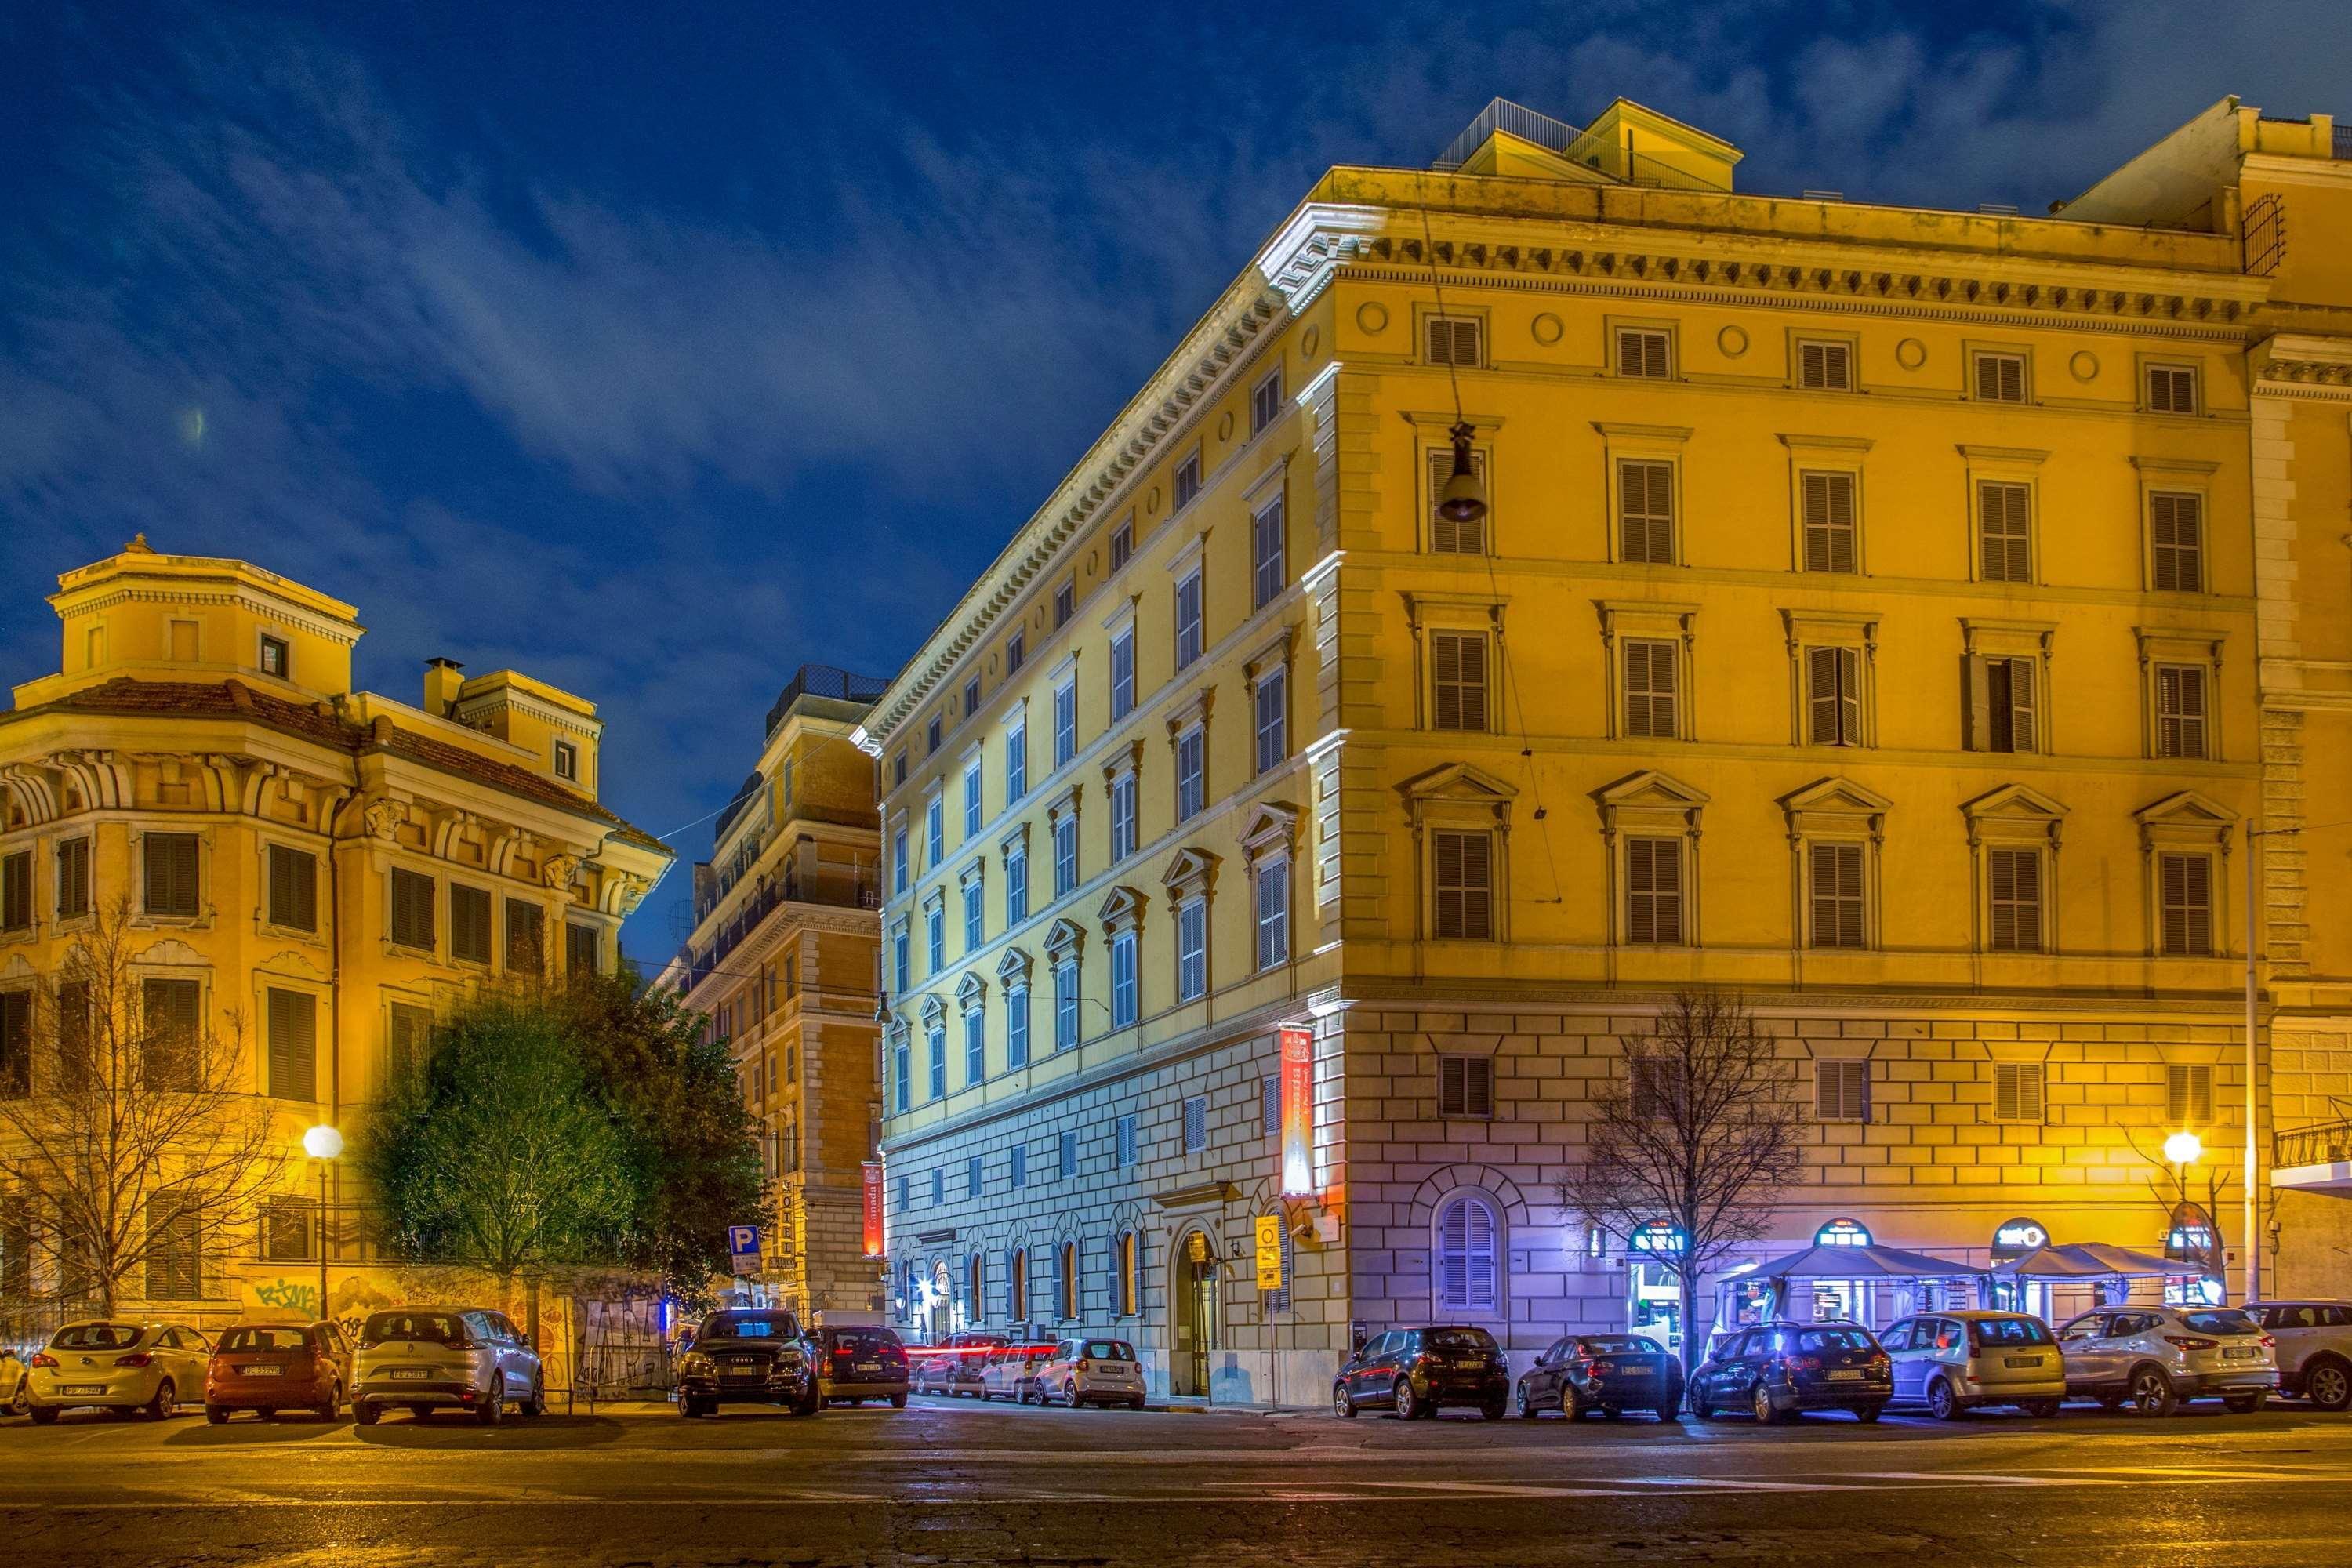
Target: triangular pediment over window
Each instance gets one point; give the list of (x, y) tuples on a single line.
[(1651, 788), (1457, 781), (1013, 969), (934, 1010), (1064, 936), (2017, 801), (1836, 796), (1189, 871), (1272, 831), (972, 990), (1122, 910), (2187, 809)]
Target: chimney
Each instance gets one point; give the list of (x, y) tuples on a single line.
[(442, 678)]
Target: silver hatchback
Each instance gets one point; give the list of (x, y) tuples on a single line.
[(2153, 1358), (1953, 1361)]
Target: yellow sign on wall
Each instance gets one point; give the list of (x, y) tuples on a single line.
[(1269, 1252)]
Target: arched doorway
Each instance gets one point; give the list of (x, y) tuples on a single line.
[(1195, 1313), (941, 1303)]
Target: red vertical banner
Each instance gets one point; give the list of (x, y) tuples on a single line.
[(871, 1186), (1298, 1113)]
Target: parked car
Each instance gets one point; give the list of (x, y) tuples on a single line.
[(2313, 1349), (934, 1369), (2155, 1357), (1090, 1371), (270, 1367), (746, 1356), (1953, 1361), (967, 1368), (1609, 1372), (855, 1363), (1779, 1369), (445, 1358), (1010, 1372), (1415, 1372), (115, 1365), (15, 1383)]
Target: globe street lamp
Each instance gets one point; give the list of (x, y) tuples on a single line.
[(324, 1144)]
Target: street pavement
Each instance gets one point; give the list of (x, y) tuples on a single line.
[(951, 1481)]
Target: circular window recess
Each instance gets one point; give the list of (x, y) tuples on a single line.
[(1732, 341), (1372, 316), (1152, 502), (1308, 341), (2083, 365), (1548, 328), (1225, 427), (1910, 354)]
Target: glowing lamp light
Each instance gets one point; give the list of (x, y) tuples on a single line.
[(2184, 1148), (322, 1143)]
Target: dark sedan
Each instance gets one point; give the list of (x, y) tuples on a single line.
[(1778, 1370), (857, 1362), (1609, 1372), (747, 1357), (1415, 1371)]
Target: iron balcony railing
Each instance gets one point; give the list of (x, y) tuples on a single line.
[(2344, 141), (2328, 1143), (824, 680), (862, 890)]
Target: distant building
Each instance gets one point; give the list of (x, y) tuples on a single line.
[(782, 961)]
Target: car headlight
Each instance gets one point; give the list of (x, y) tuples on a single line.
[(694, 1362)]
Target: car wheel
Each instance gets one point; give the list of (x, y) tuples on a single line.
[(1759, 1403), (688, 1408), (1403, 1401), (493, 1409), (1669, 1411), (1866, 1414), (2241, 1404), (2041, 1409), (898, 1402), (1493, 1410), (43, 1414), (365, 1414), (810, 1404), (1701, 1408), (1070, 1394), (1571, 1405), (334, 1406), (1527, 1411), (2151, 1391), (22, 1400), (2328, 1383), (1340, 1404), (165, 1401), (216, 1414), (537, 1404), (1943, 1402), (1134, 1402)]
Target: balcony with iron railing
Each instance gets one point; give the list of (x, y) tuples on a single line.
[(2324, 1144), (830, 886)]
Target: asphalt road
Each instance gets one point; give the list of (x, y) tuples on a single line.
[(951, 1482)]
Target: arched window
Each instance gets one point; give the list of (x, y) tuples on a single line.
[(1016, 1293), (976, 1288), (1068, 1281), (1129, 1276), (1468, 1258)]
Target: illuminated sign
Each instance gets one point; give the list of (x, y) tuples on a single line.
[(1842, 1233), (1297, 1106), (1269, 1252), (2017, 1237), (2190, 1239), (871, 1185), (1658, 1237)]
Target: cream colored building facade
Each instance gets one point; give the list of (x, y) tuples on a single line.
[(1873, 615)]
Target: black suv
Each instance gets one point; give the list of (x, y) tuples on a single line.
[(1779, 1369), (746, 1356), (1415, 1371)]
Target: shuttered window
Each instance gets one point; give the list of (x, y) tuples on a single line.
[(1270, 700), (411, 1038), (1841, 1090), (580, 948), (1452, 535), (1126, 985), (293, 889), (1458, 661), (1268, 570), (2004, 523), (1654, 891), (1825, 367), (975, 1046), (287, 1228), (1468, 1267), (1837, 895), (1464, 864), (1466, 1086), (171, 866), (76, 1065), (1122, 675), (1272, 913), (175, 1270), (526, 938), (16, 890), (412, 910), (1829, 526), (73, 878), (1130, 1276), (1644, 352), (2001, 378), (15, 1043), (1016, 1026), (1190, 634), (1125, 826), (2015, 876), (1192, 950), (1645, 511), (2176, 543), (2188, 1095), (2185, 887), (1451, 340), (1833, 696), (2171, 389), (1651, 700), (173, 1019), (2179, 710), (469, 923), (2001, 704), (1191, 787), (293, 1045), (1196, 1124), (2016, 1091), (1187, 483), (1066, 1004)]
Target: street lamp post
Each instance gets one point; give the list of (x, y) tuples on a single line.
[(2182, 1150), (324, 1144)]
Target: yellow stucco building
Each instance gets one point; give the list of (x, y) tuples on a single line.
[(1880, 610), (304, 870)]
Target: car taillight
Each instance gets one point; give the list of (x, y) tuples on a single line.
[(2267, 1342), (43, 1358), (1880, 1360), (2191, 1342), (136, 1358)]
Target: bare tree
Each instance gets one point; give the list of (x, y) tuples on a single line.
[(127, 1128), (1701, 1135)]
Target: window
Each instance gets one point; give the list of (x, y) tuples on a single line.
[(975, 919), (2016, 1091), (1830, 521), (1066, 722), (1016, 886), (2184, 892), (412, 910), (1467, 1265), (1065, 601), (1123, 823), (73, 878), (172, 1017), (1192, 789), (935, 830), (902, 1069), (581, 949), (1066, 1004), (16, 890), (974, 1178), (1017, 652), (935, 1037), (1068, 1166), (1841, 1090), (1265, 400), (287, 1227), (469, 923), (1019, 1179), (932, 737), (526, 939), (1187, 482), (1272, 913), (1448, 535), (2000, 377), (2179, 710), (2171, 389), (2176, 543), (975, 1046), (1065, 1282), (971, 697), (1644, 352), (1833, 696), (170, 865), (409, 1038), (1272, 715), (935, 935), (1124, 1140), (1464, 883), (15, 1043), (2000, 704), (1122, 544), (1649, 688), (1016, 1027), (1837, 895), (1466, 1086), (1650, 1087), (1825, 367), (1196, 1124), (1065, 854), (293, 889), (1126, 1005), (277, 658), (938, 1188), (1130, 1276), (1122, 675), (1654, 891), (2015, 879), (567, 760), (971, 801), (1269, 1105), (902, 968), (1269, 569), (175, 1268), (898, 872), (1645, 511), (2187, 1096), (2005, 527), (1192, 950), (76, 1064), (1016, 763), (1458, 661), (1451, 340), (1189, 632)]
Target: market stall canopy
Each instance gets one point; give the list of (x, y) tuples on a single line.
[(1868, 1262), (2092, 1260)]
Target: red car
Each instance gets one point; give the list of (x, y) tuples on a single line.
[(270, 1367)]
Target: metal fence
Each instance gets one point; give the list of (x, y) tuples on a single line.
[(2328, 1143)]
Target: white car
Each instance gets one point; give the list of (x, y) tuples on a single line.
[(2314, 1348), (2155, 1357), (1091, 1372), (115, 1365), (1010, 1372), (443, 1358), (15, 1383)]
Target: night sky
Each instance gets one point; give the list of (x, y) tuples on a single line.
[(655, 350)]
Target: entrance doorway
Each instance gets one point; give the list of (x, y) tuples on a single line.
[(941, 1305), (1193, 1299), (1655, 1304)]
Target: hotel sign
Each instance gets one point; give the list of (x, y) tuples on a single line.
[(1297, 1107)]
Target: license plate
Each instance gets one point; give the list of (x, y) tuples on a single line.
[(85, 1388), (406, 1375), (2020, 1360), (1846, 1377), (868, 1366), (264, 1371), (2239, 1352), (1637, 1371)]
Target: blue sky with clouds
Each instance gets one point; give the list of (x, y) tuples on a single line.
[(657, 349)]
